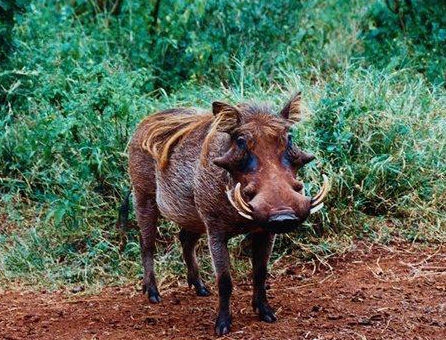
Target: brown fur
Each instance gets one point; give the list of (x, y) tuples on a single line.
[(181, 164), (164, 131)]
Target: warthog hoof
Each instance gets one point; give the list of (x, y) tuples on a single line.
[(223, 325), (202, 291), (152, 293), (266, 313), (154, 298), (200, 288)]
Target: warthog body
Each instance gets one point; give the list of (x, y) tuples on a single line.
[(223, 174)]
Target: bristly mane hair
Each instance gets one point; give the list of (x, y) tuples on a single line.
[(167, 128), (260, 120)]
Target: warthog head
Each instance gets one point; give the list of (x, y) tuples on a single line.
[(262, 161)]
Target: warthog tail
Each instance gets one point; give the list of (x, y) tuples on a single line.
[(123, 213)]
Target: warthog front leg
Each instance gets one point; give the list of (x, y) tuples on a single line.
[(218, 246), (188, 242), (262, 244)]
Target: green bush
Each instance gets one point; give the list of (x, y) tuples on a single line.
[(399, 34)]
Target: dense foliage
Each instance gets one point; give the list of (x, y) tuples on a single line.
[(76, 77)]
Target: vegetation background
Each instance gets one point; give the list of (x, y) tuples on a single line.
[(76, 77)]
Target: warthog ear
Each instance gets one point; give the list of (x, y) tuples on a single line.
[(299, 157), (228, 116), (226, 161), (304, 158), (292, 111)]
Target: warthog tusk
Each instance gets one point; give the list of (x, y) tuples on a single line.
[(245, 215), (317, 200), (316, 208), (239, 201)]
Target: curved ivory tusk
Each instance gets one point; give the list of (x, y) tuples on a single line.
[(229, 195), (239, 199), (245, 215), (316, 208), (321, 194)]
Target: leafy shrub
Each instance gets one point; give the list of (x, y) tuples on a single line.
[(399, 34)]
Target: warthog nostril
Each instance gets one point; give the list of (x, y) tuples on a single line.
[(284, 218)]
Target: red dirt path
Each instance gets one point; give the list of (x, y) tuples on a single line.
[(371, 292)]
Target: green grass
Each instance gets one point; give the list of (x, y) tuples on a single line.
[(75, 81)]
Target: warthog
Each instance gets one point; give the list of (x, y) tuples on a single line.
[(223, 174)]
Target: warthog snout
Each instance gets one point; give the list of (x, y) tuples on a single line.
[(294, 206), (284, 218), (283, 222)]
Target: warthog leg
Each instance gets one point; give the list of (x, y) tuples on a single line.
[(262, 244), (188, 242), (147, 215), (218, 246)]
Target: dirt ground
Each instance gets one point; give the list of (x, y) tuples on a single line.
[(371, 292)]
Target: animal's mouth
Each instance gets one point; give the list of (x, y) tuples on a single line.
[(282, 222), (282, 228), (243, 208)]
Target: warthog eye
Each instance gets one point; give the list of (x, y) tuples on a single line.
[(238, 157), (289, 156), (241, 143), (287, 159), (289, 144), (293, 156), (291, 149), (247, 161)]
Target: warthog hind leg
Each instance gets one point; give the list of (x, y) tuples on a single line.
[(188, 242), (147, 215)]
